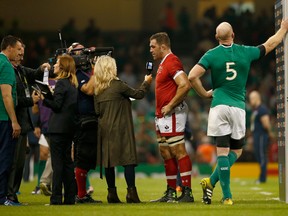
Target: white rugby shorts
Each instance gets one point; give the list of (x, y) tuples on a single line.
[(224, 120), (172, 124)]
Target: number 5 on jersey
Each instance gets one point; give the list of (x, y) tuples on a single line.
[(229, 69)]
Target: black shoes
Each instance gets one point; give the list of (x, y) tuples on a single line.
[(112, 196), (186, 195), (86, 199), (170, 195), (132, 195)]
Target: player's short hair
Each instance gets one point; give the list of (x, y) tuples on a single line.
[(9, 40), (161, 38)]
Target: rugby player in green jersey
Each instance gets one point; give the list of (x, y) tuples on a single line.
[(229, 64)]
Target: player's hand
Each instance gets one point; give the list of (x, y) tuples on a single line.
[(16, 129), (210, 93), (284, 24), (166, 110)]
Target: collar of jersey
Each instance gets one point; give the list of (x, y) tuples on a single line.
[(226, 46), (165, 57)]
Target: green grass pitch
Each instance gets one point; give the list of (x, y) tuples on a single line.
[(249, 199)]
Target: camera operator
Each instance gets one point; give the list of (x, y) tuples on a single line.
[(85, 143)]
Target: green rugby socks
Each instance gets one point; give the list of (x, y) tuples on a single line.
[(214, 178), (41, 167), (223, 167)]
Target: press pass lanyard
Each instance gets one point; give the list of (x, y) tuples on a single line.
[(24, 83)]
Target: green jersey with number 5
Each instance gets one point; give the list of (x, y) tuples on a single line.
[(229, 66)]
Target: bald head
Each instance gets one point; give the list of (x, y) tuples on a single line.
[(254, 99), (224, 33)]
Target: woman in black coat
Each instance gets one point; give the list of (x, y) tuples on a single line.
[(115, 128), (61, 129)]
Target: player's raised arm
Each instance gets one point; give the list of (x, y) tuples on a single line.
[(276, 39)]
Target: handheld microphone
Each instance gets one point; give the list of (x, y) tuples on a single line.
[(149, 67)]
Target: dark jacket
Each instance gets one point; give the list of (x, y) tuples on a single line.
[(64, 108), (115, 124), (25, 77)]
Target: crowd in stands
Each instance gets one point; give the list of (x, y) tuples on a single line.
[(190, 41)]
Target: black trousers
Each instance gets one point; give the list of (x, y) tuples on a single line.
[(63, 169), (85, 146)]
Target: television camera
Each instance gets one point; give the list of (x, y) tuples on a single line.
[(83, 57)]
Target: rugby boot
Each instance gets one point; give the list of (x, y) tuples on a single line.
[(170, 195), (186, 195), (207, 190)]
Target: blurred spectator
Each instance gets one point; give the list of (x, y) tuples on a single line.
[(45, 172), (146, 140), (69, 31), (32, 156), (184, 21), (2, 28), (210, 13), (128, 75), (168, 22), (273, 152), (261, 129), (91, 33), (42, 49), (32, 55), (15, 29), (206, 152)]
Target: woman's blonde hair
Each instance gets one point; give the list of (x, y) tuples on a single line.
[(105, 71), (67, 69)]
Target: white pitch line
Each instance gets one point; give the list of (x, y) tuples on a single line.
[(275, 198), (256, 188), (266, 193)]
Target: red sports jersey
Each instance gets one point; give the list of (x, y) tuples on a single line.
[(165, 86)]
